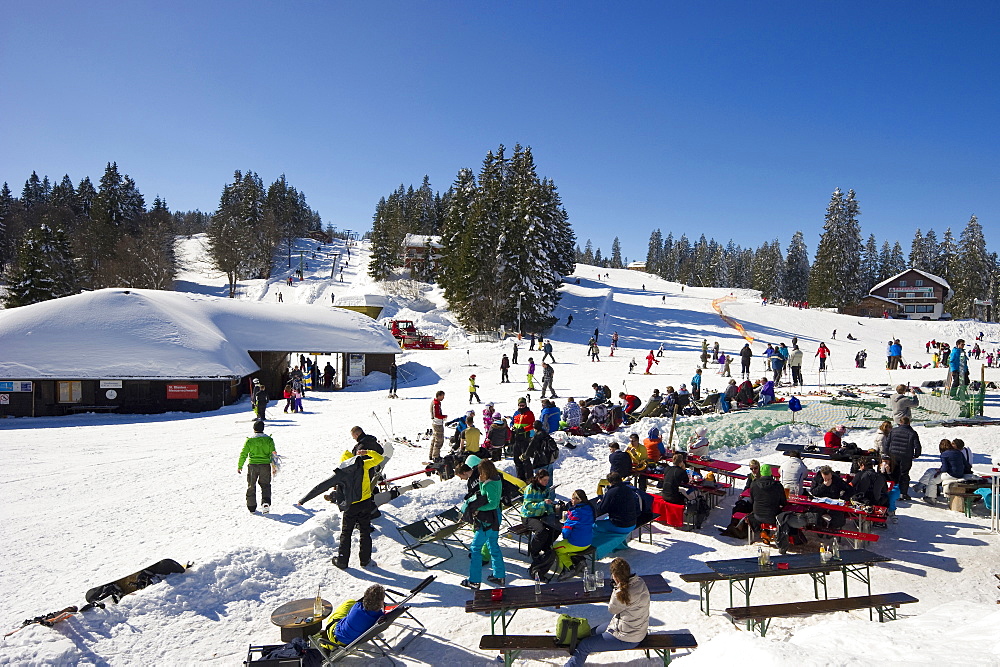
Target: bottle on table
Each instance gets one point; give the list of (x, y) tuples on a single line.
[(318, 605), (538, 585)]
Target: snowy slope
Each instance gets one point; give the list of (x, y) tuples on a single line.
[(92, 497)]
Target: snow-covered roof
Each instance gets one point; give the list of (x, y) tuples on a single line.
[(949, 292), (360, 300), (636, 265), (414, 240), (119, 333)]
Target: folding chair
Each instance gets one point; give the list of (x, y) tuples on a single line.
[(334, 654), (450, 517), (418, 534), (393, 595)]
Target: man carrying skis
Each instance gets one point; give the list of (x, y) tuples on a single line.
[(259, 449)]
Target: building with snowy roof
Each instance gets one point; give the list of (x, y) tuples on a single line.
[(421, 253), (921, 295), (149, 351)]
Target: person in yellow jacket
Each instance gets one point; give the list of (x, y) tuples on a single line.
[(473, 390), (358, 493)]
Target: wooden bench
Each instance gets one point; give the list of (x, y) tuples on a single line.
[(520, 532), (660, 643), (963, 500), (705, 581), (759, 617)]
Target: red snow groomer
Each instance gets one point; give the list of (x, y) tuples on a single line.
[(411, 339)]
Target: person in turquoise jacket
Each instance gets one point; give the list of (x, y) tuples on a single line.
[(484, 509), (259, 450)]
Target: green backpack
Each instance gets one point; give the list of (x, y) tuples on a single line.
[(570, 630)]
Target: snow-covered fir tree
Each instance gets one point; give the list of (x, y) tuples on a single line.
[(44, 269), (870, 272), (616, 254), (796, 281), (973, 270), (833, 277)]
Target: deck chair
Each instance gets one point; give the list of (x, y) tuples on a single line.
[(418, 534), (399, 600), (378, 646), (450, 517)]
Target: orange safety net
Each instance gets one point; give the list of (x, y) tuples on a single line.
[(717, 304)]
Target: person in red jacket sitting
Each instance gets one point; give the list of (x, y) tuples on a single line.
[(631, 403), (835, 436)]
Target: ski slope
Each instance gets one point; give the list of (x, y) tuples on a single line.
[(90, 498)]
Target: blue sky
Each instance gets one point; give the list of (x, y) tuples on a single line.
[(732, 119)]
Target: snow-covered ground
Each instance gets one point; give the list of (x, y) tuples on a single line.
[(93, 497)]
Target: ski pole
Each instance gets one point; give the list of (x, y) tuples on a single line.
[(393, 428), (388, 437)]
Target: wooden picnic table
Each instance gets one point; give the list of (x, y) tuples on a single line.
[(560, 594), (742, 573), (863, 517)]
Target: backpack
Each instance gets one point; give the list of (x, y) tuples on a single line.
[(794, 404), (570, 630), (606, 390), (550, 450), (696, 511)]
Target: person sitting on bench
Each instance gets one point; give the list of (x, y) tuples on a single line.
[(674, 477), (629, 608), (869, 486), (654, 446), (537, 516), (622, 505), (767, 496), (353, 618), (577, 535), (829, 484)]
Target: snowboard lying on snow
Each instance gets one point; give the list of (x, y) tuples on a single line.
[(119, 588)]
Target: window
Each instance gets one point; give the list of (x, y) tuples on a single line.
[(70, 391), (925, 309), (911, 295), (918, 283), (910, 309), (902, 283)]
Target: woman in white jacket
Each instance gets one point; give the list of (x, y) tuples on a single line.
[(793, 474), (629, 607), (698, 442)]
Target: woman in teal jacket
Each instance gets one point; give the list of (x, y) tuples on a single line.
[(484, 508)]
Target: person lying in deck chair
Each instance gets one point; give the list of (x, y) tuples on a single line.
[(353, 618)]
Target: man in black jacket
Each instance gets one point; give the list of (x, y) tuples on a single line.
[(767, 496), (621, 463), (904, 446), (365, 441), (869, 484), (829, 484), (622, 505)]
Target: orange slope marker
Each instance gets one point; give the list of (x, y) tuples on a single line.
[(717, 304)]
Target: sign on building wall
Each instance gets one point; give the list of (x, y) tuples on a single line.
[(355, 368), (182, 391), (111, 384), (911, 292), (15, 386)]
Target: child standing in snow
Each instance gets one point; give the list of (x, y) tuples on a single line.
[(531, 373), (650, 360), (472, 389)]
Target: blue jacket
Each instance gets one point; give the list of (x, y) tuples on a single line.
[(357, 622), (621, 503), (955, 359), (895, 350), (696, 381), (953, 463), (578, 528), (550, 418)]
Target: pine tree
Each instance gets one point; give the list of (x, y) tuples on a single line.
[(974, 269), (616, 254), (796, 281), (870, 271), (932, 252), (654, 253), (918, 258), (588, 253), (33, 193), (885, 262), (44, 269), (85, 196), (897, 260), (948, 257)]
